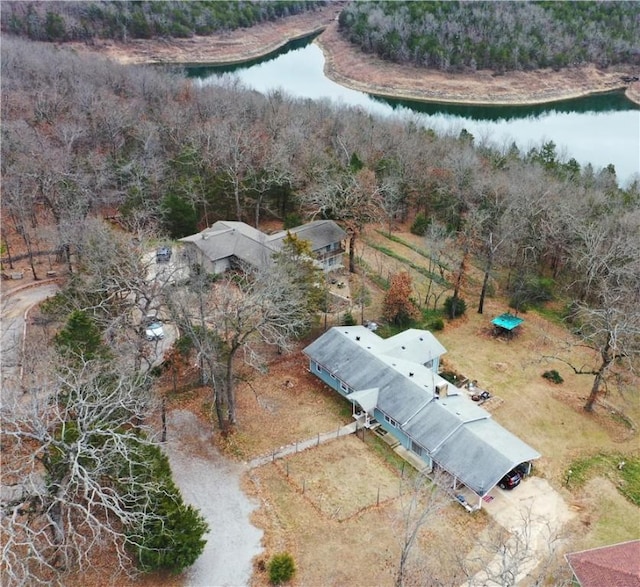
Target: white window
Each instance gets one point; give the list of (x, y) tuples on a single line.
[(318, 368), (391, 421)]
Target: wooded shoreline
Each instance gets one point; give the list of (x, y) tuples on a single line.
[(350, 67)]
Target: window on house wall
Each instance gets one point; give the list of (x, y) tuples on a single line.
[(429, 364), (318, 368), (332, 376), (344, 387), (416, 448), (391, 421)]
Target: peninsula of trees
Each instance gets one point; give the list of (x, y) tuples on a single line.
[(500, 36), (87, 21)]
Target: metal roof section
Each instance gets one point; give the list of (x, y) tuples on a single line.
[(419, 346), (346, 353), (367, 399), (320, 233), (481, 452)]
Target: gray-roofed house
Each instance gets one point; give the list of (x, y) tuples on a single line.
[(394, 383), (226, 244)]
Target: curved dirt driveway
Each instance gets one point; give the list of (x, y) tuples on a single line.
[(211, 482), (14, 311)]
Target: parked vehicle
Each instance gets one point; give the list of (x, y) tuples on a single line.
[(154, 331), (510, 480), (163, 255)]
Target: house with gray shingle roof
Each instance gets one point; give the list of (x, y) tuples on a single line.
[(226, 244), (394, 383)]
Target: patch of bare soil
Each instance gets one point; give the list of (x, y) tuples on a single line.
[(618, 426), (325, 476), (222, 49), (284, 405)]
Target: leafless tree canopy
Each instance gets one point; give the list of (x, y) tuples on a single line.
[(69, 449)]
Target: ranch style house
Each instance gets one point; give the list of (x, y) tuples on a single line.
[(394, 384)]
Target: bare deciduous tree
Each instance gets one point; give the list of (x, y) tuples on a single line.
[(504, 558), (66, 453), (421, 499)]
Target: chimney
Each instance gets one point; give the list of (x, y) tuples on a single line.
[(441, 390)]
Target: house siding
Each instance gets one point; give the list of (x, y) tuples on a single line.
[(323, 374), (385, 422), (391, 429)]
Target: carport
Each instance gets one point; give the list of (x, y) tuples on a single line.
[(478, 455)]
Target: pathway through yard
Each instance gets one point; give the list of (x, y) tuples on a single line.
[(211, 482)]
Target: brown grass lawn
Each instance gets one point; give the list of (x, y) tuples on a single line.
[(335, 529)]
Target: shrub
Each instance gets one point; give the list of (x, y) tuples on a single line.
[(420, 224), (454, 307), (174, 539), (292, 220), (530, 290), (348, 319), (436, 324), (281, 568), (553, 376), (450, 376)]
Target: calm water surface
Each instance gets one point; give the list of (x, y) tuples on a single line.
[(598, 130)]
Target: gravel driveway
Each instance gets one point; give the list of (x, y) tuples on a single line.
[(211, 482), (538, 513)]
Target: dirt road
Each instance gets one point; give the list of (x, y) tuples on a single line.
[(211, 482), (14, 310)]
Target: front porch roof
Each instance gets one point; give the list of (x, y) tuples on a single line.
[(367, 399)]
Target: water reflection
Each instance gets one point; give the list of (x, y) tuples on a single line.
[(611, 101), (598, 130)]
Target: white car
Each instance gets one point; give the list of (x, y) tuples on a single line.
[(154, 331)]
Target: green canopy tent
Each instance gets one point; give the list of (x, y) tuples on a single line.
[(506, 323)]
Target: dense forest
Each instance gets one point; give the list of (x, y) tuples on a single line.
[(122, 20), (501, 36)]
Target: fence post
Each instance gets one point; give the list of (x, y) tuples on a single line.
[(287, 468), (273, 456), (318, 443), (296, 446), (378, 499)]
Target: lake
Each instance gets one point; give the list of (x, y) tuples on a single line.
[(599, 130)]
